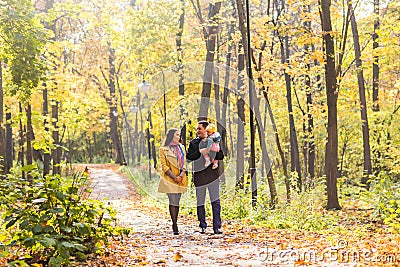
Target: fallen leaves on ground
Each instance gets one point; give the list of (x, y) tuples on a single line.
[(244, 245)]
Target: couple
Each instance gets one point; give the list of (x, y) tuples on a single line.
[(174, 180)]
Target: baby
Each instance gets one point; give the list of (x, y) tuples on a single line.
[(213, 140)]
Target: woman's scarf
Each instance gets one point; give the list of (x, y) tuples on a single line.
[(178, 152)]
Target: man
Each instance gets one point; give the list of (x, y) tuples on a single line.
[(205, 177)]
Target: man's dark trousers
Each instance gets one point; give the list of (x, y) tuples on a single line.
[(213, 191)]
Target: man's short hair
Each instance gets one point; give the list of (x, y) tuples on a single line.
[(204, 123)]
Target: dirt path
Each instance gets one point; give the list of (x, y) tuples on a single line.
[(151, 241)]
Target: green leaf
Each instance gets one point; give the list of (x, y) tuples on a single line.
[(83, 230), (48, 242), (67, 244), (24, 224), (11, 223), (80, 247), (37, 229), (60, 196), (29, 242), (64, 252), (56, 261), (57, 210), (45, 217)]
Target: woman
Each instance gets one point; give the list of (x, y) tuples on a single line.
[(173, 173)]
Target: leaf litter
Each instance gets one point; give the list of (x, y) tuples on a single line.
[(151, 242)]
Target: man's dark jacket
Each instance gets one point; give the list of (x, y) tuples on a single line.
[(202, 175)]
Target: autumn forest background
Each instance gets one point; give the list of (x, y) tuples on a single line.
[(95, 81)]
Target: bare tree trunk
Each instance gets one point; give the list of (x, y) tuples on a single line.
[(115, 136), (209, 66), (281, 153), (294, 146), (3, 162), (216, 95), (265, 156), (266, 160), (310, 146), (244, 28), (225, 103), (29, 134), (240, 124), (21, 141), (363, 102), (47, 155), (375, 66), (9, 143), (180, 70), (331, 160), (56, 139)]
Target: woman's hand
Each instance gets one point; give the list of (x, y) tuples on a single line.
[(178, 179)]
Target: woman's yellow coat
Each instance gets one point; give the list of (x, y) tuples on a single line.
[(170, 162)]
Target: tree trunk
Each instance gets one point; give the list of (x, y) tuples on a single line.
[(47, 153), (29, 134), (224, 144), (294, 146), (180, 71), (148, 142), (3, 162), (209, 66), (261, 128), (265, 156), (331, 160), (9, 144), (363, 103), (375, 66), (216, 95), (319, 84), (281, 153), (244, 28), (115, 136), (21, 141), (56, 139), (310, 146), (240, 123)]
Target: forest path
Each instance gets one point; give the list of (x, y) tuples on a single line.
[(151, 242)]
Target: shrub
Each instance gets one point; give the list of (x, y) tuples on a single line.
[(51, 220), (386, 201)]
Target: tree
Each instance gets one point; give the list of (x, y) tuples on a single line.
[(178, 42), (294, 146), (331, 159), (367, 171), (114, 133), (3, 162), (375, 65), (210, 35), (23, 48)]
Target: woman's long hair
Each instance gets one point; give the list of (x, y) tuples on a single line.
[(170, 136)]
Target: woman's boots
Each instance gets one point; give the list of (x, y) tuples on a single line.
[(174, 211)]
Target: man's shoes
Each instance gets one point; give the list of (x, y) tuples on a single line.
[(202, 230), (217, 231)]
